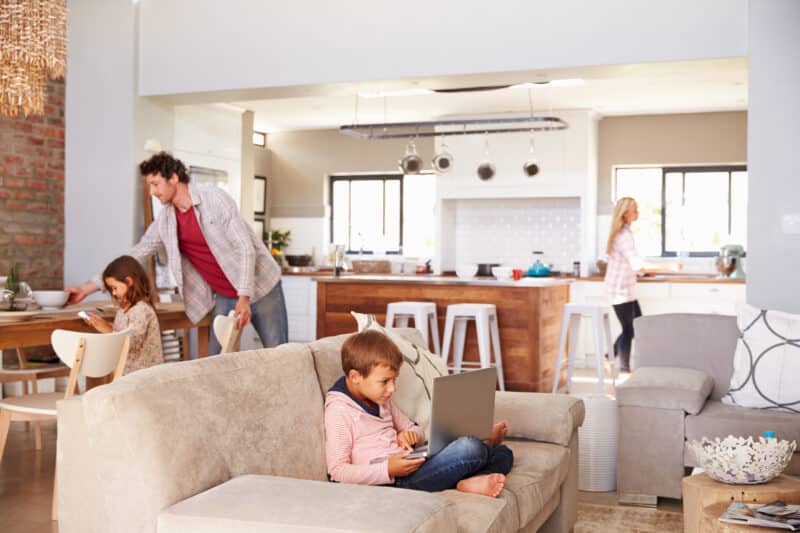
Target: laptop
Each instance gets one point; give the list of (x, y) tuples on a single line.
[(462, 404)]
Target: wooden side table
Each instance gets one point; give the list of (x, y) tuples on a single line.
[(701, 491)]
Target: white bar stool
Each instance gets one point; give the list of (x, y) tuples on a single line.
[(485, 317), (424, 315), (572, 320)]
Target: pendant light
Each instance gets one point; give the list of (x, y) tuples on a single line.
[(531, 165), (443, 160), (486, 169)]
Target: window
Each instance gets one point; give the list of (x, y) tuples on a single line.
[(686, 210), (366, 213), (259, 138), (379, 213)]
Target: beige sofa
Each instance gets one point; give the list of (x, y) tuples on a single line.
[(235, 444), (682, 367)]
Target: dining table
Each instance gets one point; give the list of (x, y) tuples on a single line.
[(34, 329)]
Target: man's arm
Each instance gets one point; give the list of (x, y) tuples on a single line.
[(148, 245)]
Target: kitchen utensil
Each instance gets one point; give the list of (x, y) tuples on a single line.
[(50, 299), (485, 269), (729, 262), (486, 169), (443, 161), (466, 271), (298, 260), (411, 163)]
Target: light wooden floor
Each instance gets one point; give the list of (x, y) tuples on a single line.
[(26, 475)]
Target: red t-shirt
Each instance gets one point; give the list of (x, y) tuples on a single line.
[(193, 246)]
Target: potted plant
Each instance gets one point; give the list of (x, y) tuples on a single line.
[(277, 242)]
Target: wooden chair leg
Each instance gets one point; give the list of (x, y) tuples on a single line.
[(5, 424), (54, 505), (37, 427)]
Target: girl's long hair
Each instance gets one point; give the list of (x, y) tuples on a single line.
[(618, 220), (126, 266)]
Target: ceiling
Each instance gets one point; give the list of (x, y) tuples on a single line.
[(670, 87)]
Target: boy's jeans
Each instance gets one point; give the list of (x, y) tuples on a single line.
[(462, 458), (268, 316)]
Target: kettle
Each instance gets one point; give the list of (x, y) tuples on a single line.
[(538, 268)]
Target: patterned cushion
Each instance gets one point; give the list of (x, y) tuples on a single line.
[(766, 365), (415, 381)]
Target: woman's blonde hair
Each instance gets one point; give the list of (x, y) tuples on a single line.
[(618, 220)]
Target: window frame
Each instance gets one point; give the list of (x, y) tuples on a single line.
[(384, 177), (683, 169)]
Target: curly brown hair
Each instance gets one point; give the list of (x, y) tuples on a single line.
[(164, 164), (124, 267), (370, 348)]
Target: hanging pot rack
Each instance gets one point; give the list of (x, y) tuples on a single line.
[(405, 130)]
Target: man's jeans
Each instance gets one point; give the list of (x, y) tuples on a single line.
[(268, 316), (462, 458)]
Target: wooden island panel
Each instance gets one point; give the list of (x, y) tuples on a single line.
[(529, 319)]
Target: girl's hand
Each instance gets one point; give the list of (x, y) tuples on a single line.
[(98, 323), (407, 439), (399, 466)]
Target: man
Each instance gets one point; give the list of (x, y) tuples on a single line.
[(213, 254)]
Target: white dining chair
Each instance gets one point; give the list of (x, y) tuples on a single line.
[(227, 333), (87, 355)]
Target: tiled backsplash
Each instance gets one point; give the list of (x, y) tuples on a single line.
[(507, 231)]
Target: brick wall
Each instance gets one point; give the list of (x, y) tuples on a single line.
[(32, 193)]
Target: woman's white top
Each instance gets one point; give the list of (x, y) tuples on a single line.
[(623, 264)]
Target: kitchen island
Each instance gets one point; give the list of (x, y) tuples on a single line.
[(528, 313)]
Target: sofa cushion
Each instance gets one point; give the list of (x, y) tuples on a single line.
[(557, 418), (265, 504), (666, 388), (538, 472), (415, 380), (479, 514), (720, 420), (766, 365)]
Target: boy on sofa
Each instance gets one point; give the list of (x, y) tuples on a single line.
[(368, 437)]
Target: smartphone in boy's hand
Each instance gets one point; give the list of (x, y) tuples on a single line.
[(401, 466)]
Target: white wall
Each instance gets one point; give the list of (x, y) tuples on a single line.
[(211, 136), (772, 141), (101, 191), (201, 45)]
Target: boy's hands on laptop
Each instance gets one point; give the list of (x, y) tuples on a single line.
[(407, 439), (399, 466)]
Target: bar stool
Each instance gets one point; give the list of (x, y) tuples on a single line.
[(423, 313), (572, 320), (485, 317)]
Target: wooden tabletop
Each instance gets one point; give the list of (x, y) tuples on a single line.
[(36, 330)]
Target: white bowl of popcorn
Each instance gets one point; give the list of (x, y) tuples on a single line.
[(739, 460)]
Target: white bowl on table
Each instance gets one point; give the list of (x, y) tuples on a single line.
[(466, 271), (502, 272), (739, 460), (50, 299)]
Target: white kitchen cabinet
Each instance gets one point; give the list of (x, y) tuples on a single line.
[(657, 298), (300, 293)]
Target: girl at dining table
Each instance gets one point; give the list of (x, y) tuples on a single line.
[(129, 285)]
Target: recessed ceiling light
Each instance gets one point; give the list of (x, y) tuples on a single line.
[(570, 82), (400, 92)]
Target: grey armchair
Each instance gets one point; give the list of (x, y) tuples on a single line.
[(682, 367)]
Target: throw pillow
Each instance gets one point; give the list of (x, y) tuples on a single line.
[(766, 365), (415, 380)]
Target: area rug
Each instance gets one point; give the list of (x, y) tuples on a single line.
[(594, 518)]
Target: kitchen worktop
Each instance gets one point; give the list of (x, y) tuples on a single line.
[(430, 279)]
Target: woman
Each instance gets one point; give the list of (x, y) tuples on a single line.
[(624, 264)]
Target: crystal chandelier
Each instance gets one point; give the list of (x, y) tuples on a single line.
[(33, 47)]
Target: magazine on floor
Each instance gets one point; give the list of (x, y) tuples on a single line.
[(776, 514)]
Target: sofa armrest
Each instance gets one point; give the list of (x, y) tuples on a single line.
[(539, 416), (666, 388)]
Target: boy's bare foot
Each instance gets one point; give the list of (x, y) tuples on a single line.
[(489, 484), (498, 434)]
